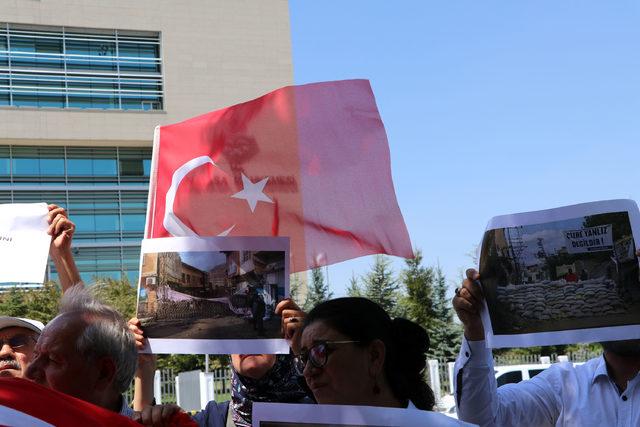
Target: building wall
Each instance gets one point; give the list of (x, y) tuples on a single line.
[(215, 53)]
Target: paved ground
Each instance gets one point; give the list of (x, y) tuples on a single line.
[(229, 327)]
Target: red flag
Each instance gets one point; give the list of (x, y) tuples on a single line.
[(310, 162), (23, 402)]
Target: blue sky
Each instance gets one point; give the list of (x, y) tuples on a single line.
[(204, 261), (490, 107)]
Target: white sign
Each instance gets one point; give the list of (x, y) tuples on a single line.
[(299, 415), (590, 239), (191, 300), (24, 242), (571, 300)]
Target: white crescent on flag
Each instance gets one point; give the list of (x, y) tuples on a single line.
[(171, 222)]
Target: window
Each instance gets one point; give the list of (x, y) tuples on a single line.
[(110, 218), (534, 372), (5, 161), (60, 67), (38, 161), (509, 377)]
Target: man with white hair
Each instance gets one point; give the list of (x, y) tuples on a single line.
[(87, 352)]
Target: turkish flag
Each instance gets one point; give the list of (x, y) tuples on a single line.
[(309, 162), (25, 403)]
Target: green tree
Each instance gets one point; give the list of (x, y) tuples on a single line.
[(12, 303), (319, 290), (380, 286), (39, 304), (295, 288), (418, 282), (119, 294), (354, 288), (181, 362), (444, 333), (43, 302)]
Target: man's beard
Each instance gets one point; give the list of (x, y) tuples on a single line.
[(627, 348)]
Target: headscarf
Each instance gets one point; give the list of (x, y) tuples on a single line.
[(281, 384)]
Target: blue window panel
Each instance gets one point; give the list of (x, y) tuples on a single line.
[(38, 100), (104, 167), (34, 166), (4, 98), (51, 101), (84, 200), (92, 167), (146, 163), (26, 167), (107, 222), (107, 101), (31, 52), (133, 222), (91, 55), (4, 166), (79, 167), (3, 47), (25, 100), (52, 167), (84, 223), (129, 52), (5, 162)]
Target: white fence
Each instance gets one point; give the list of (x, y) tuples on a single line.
[(191, 390)]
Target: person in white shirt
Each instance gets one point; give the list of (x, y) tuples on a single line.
[(602, 392)]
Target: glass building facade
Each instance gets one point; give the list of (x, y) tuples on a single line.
[(104, 191), (62, 67)]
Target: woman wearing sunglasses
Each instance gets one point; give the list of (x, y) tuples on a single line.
[(353, 353)]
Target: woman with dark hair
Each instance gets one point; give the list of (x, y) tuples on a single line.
[(353, 353)]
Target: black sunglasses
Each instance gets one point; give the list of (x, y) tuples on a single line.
[(17, 341), (317, 354)]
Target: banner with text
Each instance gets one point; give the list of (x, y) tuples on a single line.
[(590, 239)]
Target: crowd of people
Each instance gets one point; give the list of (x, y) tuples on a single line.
[(345, 351)]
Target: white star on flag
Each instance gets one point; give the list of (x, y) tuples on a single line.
[(253, 192)]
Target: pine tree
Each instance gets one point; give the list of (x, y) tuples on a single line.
[(418, 281), (354, 288), (380, 286), (444, 333), (295, 290), (319, 290)]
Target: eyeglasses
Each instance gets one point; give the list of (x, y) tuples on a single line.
[(317, 354), (17, 341)]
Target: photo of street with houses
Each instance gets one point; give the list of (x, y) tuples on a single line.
[(564, 275), (211, 295)]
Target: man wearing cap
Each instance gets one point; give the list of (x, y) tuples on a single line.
[(17, 335), (17, 339)]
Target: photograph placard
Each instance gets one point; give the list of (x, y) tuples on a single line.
[(213, 295), (306, 415), (562, 276)]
